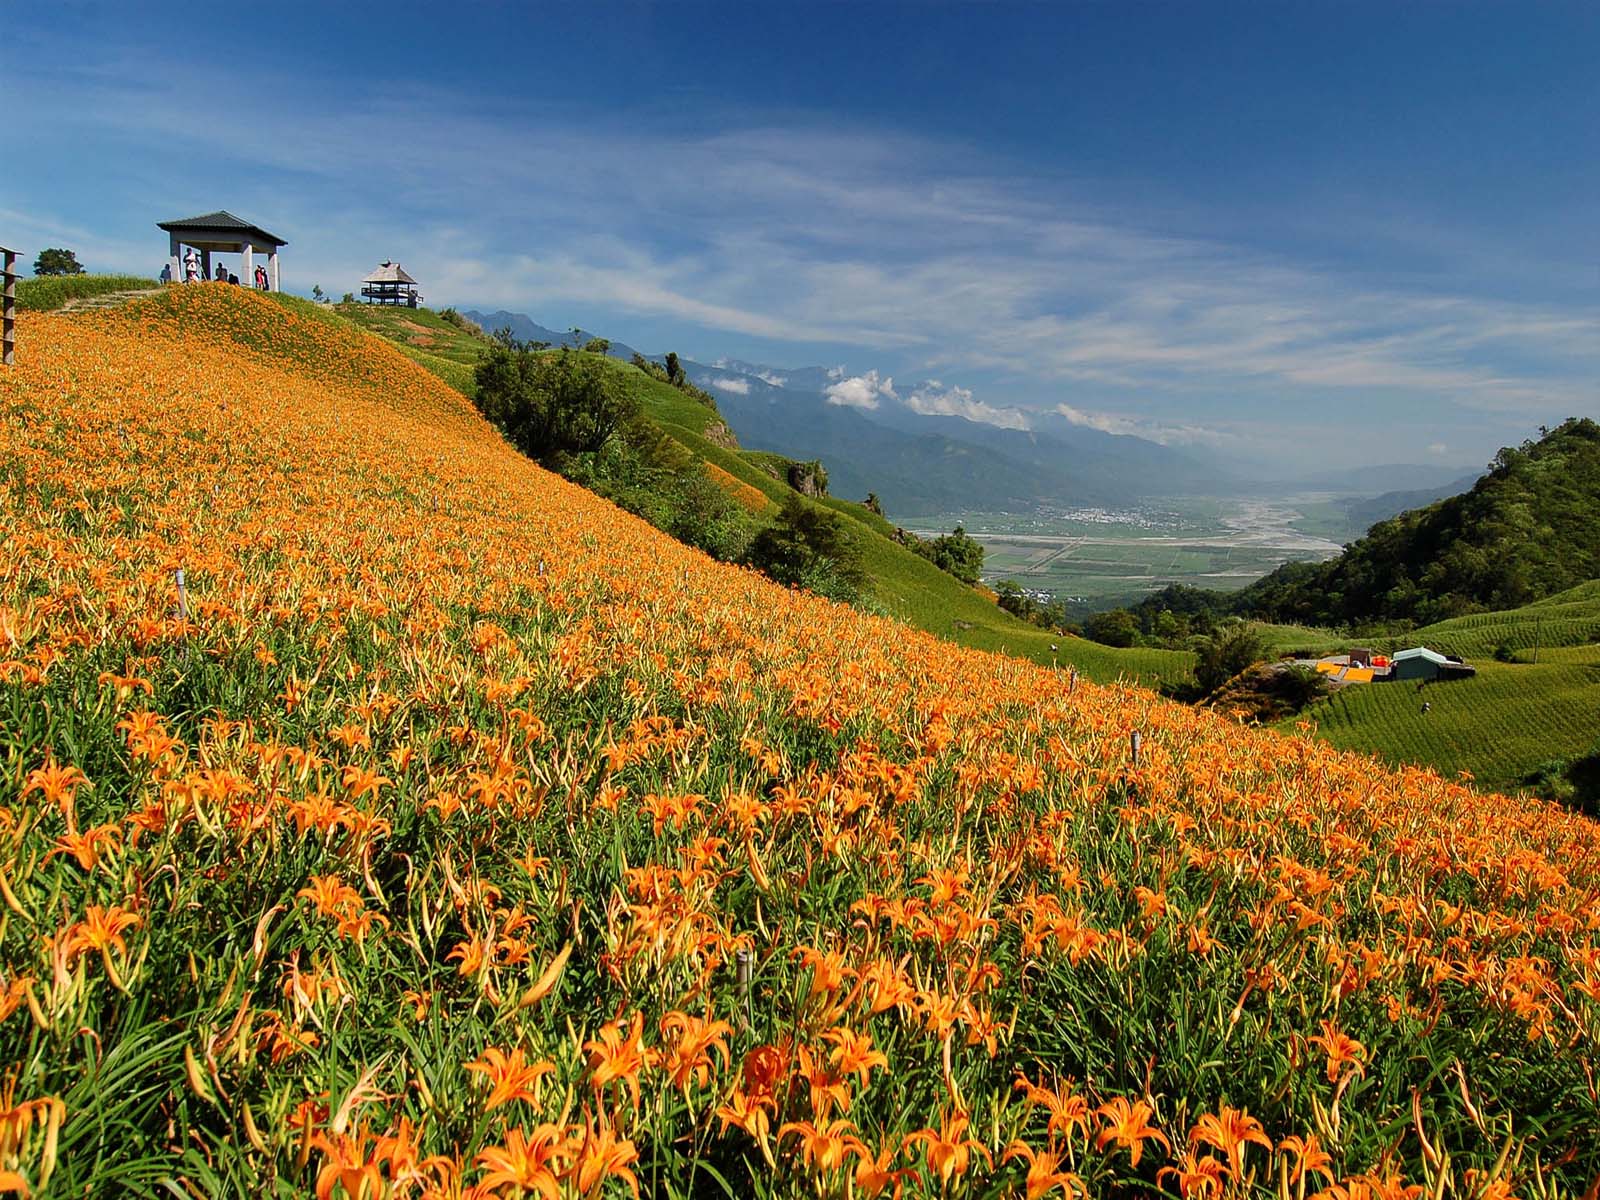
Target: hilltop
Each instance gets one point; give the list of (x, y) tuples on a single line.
[(445, 830)]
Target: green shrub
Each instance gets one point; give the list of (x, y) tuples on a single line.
[(1117, 627), (551, 405), (953, 553), (808, 546), (1232, 646)]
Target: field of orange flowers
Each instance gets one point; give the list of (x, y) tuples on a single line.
[(381, 816)]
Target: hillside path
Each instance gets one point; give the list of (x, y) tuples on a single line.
[(105, 299)]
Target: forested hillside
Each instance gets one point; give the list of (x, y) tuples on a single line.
[(1528, 529)]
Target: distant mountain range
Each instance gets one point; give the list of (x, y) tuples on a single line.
[(915, 449)]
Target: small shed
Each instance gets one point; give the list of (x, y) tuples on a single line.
[(1421, 663), (390, 284), (1360, 656), (221, 232)]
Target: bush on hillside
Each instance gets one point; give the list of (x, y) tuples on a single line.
[(1052, 615), (954, 553), (1115, 627), (808, 546), (1231, 647), (551, 405), (456, 321)]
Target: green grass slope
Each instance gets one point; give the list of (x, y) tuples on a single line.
[(903, 584), (54, 291)]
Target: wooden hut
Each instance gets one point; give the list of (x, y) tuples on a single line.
[(390, 284)]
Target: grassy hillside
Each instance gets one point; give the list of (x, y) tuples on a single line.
[(903, 584), (1508, 720), (51, 292), (449, 832)]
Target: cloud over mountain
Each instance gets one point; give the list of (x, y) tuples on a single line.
[(861, 391)]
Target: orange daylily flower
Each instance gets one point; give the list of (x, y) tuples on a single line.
[(509, 1076), (619, 1054), (1127, 1123)]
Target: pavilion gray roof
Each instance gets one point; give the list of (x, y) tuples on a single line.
[(220, 221), (389, 272)]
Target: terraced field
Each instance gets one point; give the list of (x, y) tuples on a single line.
[(1505, 722)]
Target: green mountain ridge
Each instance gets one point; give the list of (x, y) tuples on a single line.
[(1529, 528)]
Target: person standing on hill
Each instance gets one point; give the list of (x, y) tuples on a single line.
[(261, 278), (191, 266)]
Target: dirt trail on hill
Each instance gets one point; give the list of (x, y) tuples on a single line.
[(105, 299)]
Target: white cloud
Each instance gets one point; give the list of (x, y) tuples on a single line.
[(861, 391), (1438, 448), (772, 378), (1165, 432), (933, 399), (726, 383)]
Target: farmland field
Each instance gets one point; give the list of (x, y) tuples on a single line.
[(1103, 557)]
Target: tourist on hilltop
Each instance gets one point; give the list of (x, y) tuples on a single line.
[(261, 278), (191, 266), (166, 273)]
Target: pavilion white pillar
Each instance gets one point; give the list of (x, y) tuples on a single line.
[(272, 269), (247, 274), (174, 260)]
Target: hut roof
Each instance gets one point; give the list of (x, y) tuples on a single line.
[(1422, 652), (220, 221), (389, 272)]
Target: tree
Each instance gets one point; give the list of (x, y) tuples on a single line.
[(597, 345), (808, 546), (317, 293), (1232, 646), (956, 554), (1117, 627), (57, 262), (674, 369), (551, 405)]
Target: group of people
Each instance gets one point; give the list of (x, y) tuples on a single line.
[(195, 271)]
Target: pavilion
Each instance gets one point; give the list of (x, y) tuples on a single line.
[(389, 284), (223, 233)]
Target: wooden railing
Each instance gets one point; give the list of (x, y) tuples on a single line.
[(8, 307)]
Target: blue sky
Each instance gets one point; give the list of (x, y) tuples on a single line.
[(1303, 231)]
